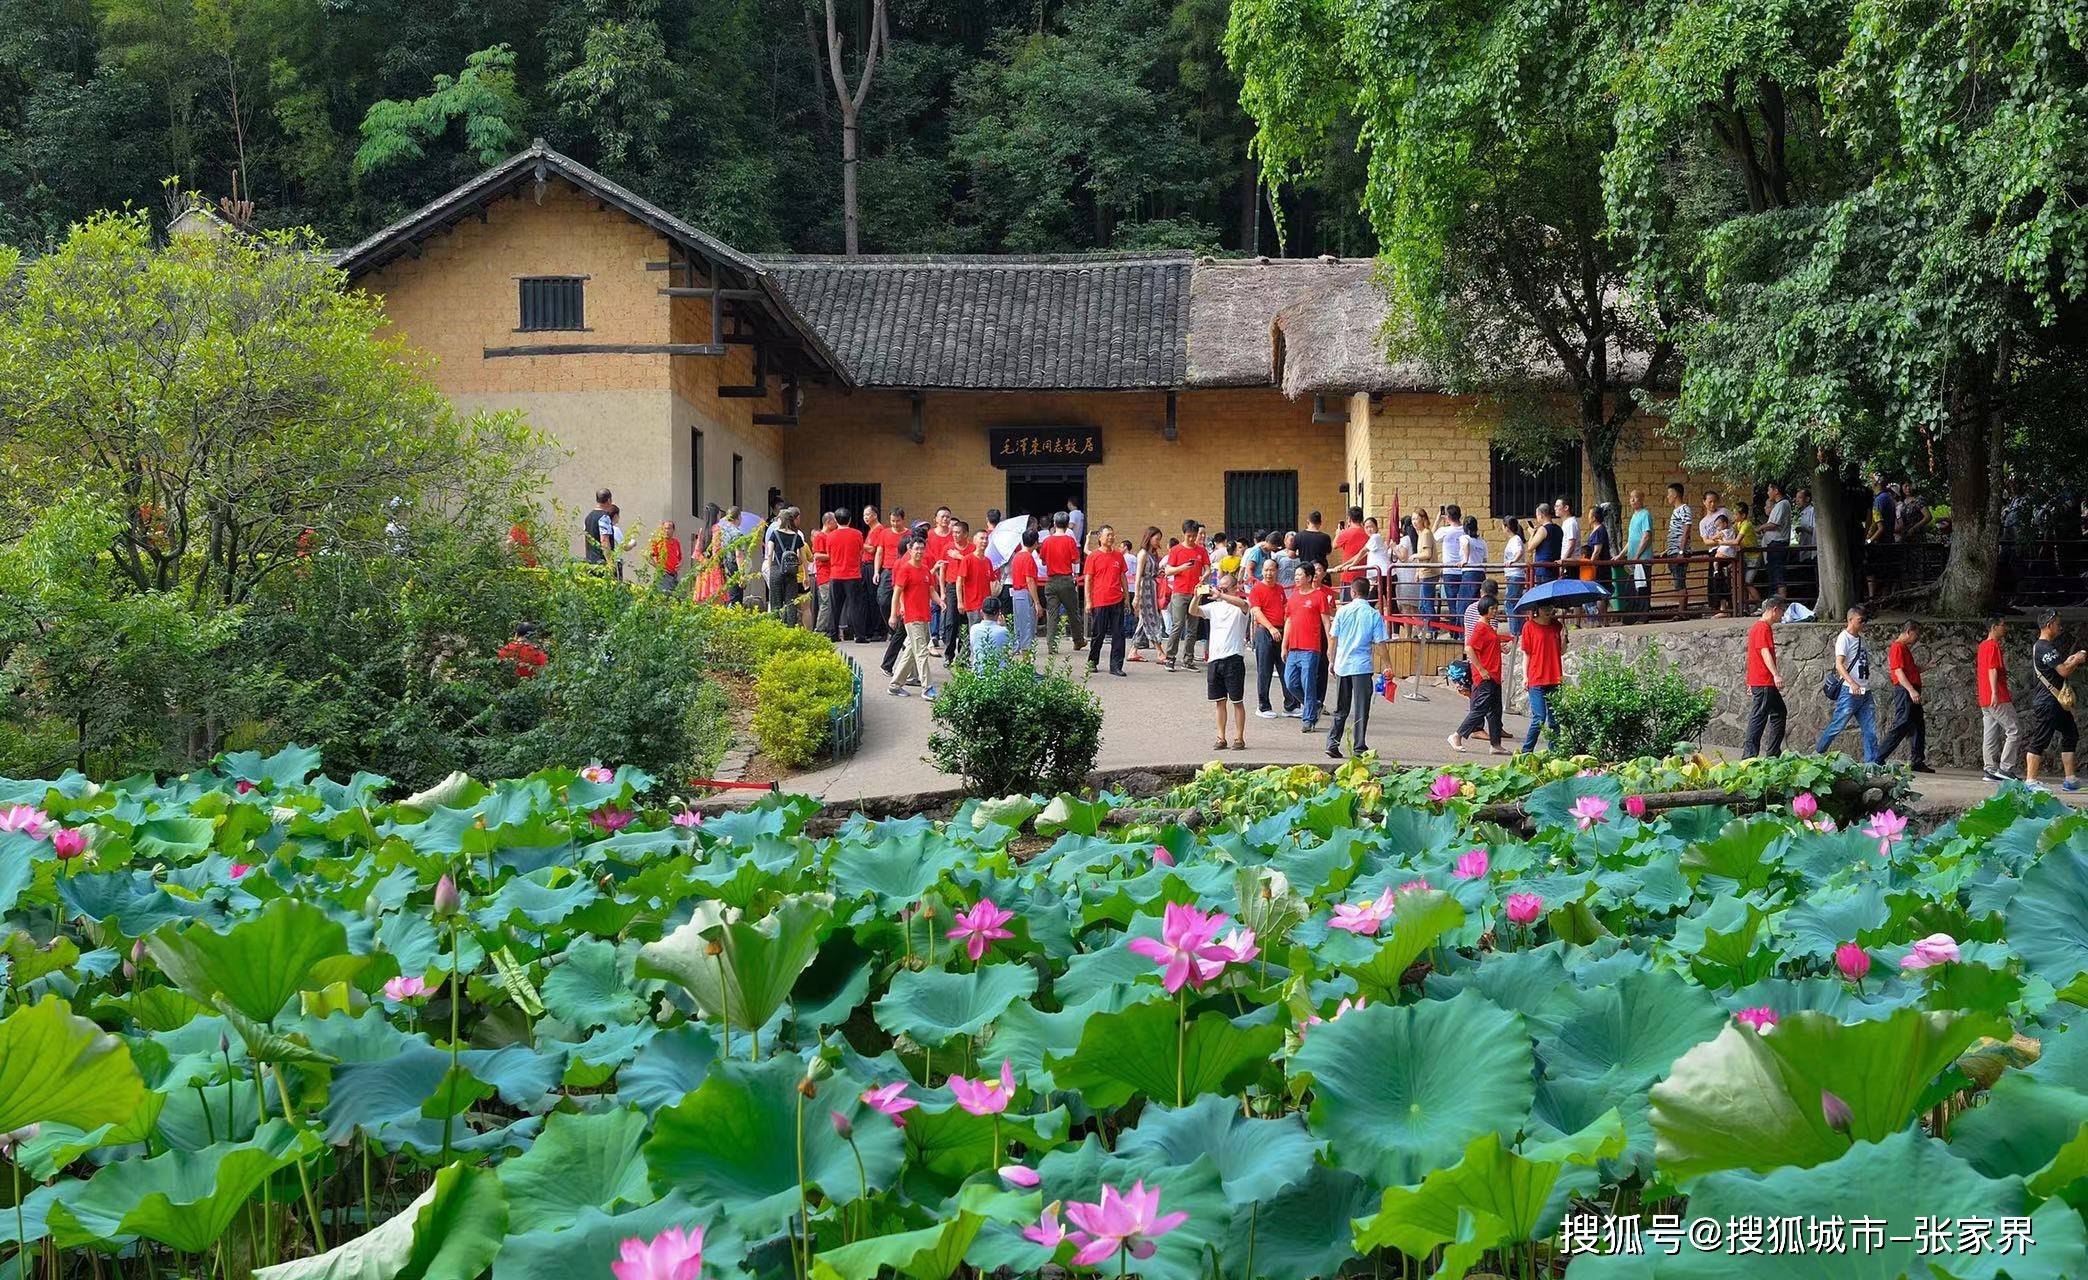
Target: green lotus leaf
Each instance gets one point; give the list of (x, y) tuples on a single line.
[(579, 1161), (172, 838), (183, 1199), (756, 964), (451, 1232), (593, 986), (590, 1242), (1750, 1101), (2023, 1125), (1070, 813), (1326, 867), (1255, 1159), (1302, 1232), (734, 1142), (537, 900), (1402, 1090), (1134, 1051), (895, 872), (1629, 1034), (1827, 919), (670, 1066), (1746, 852), (934, 1006), (2048, 920), (259, 963), (930, 1253), (56, 1068), (1508, 1197)]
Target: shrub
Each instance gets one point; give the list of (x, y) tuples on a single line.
[(1013, 728), (794, 698), (1617, 710), (742, 640)]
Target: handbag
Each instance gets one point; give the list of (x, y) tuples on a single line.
[(2062, 693), (1831, 686)]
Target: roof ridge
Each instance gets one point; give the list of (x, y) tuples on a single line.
[(985, 261)]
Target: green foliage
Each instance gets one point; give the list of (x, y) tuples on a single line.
[(483, 97), (795, 697), (1013, 728), (1615, 709)]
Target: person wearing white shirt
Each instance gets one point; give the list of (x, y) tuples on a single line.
[(1474, 559), (1225, 661), (1514, 576), (1569, 527), (1449, 541)]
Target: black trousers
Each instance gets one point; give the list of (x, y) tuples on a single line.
[(1766, 713), (1912, 726), (1353, 698), (1107, 623), (1485, 710), (1268, 665), (952, 624), (893, 645)]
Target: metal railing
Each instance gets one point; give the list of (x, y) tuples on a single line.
[(845, 722)]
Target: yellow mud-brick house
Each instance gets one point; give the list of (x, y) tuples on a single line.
[(1149, 388)]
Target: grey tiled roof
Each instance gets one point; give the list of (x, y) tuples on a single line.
[(1075, 322)]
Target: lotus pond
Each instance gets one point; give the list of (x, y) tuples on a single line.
[(262, 1021)]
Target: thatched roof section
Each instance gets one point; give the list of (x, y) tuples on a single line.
[(1331, 341), (1233, 302)]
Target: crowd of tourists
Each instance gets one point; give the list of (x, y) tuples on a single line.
[(1314, 608)]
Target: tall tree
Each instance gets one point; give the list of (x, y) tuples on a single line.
[(850, 101), (1486, 128)]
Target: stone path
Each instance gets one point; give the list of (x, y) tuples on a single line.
[(1152, 717)]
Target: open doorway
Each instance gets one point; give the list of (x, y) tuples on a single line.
[(1039, 491)]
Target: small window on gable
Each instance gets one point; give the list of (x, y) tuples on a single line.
[(553, 302)]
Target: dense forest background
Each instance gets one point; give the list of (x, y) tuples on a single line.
[(990, 125)]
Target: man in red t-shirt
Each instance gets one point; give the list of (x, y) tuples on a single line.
[(881, 552), (1265, 619), (1184, 564), (974, 578), (1060, 553), (1352, 548), (913, 593), (1905, 675), (1025, 588), (1999, 733), (823, 612), (1543, 646), (1483, 650), (1306, 618), (844, 566), (951, 567), (1103, 584), (1766, 711)]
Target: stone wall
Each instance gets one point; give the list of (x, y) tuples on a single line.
[(1714, 652)]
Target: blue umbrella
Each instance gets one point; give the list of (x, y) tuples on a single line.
[(1560, 592)]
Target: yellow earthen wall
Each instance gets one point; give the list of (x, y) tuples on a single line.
[(863, 438)]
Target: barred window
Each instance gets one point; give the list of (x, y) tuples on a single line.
[(553, 302)]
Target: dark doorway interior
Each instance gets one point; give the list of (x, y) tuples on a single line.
[(1039, 491)]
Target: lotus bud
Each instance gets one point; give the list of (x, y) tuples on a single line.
[(842, 1125), (1804, 805), (446, 899), (224, 1045), (818, 1068), (1836, 1112), (1635, 806), (1853, 961)]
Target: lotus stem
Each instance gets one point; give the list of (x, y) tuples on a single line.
[(862, 1213), (801, 1254), (311, 1205), (1181, 1040), (449, 1106), (268, 1183), (14, 1169), (209, 1124)]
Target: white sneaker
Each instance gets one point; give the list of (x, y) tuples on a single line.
[(1293, 713), (1269, 715)]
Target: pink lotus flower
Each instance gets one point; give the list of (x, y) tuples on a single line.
[(687, 818), (12, 1140), (68, 844), (1937, 948), (610, 819), (980, 927), (1443, 788), (1635, 806), (1413, 886), (1019, 1175), (985, 1096), (843, 1126), (403, 988), (1313, 1020), (1885, 828), (238, 869), (597, 774), (1363, 918), (1524, 908), (1161, 857), (1823, 825), (1804, 805), (1048, 1231), (447, 900), (1761, 1019), (24, 819), (1589, 810), (890, 1100), (1128, 1220), (1471, 864), (242, 787), (670, 1255), (1852, 960), (1236, 947), (1187, 949)]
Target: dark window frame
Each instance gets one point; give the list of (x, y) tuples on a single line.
[(1240, 521), (1514, 488), (696, 471), (739, 479), (553, 310), (851, 498)]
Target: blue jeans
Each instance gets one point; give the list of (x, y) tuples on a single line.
[(1025, 622), (1514, 593), (1430, 595), (1540, 714), (1848, 706), (1301, 681)]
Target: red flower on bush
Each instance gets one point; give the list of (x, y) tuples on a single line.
[(526, 657)]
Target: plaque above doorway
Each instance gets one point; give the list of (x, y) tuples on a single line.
[(1044, 446)]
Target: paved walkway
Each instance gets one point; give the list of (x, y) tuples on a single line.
[(1155, 717)]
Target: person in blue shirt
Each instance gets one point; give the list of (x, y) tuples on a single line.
[(1357, 626), (990, 641)]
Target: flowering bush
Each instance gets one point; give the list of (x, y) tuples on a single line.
[(555, 1033)]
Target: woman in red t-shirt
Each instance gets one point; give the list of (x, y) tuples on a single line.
[(1543, 646)]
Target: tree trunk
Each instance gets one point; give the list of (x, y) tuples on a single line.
[(851, 104), (1599, 442), (1973, 448), (1250, 204), (851, 222), (1834, 523)]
